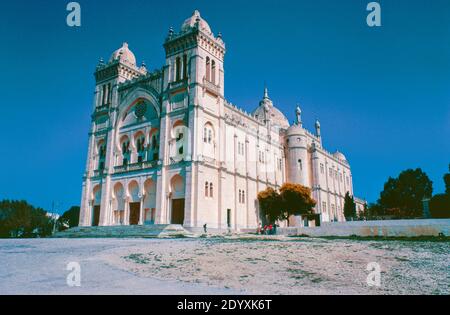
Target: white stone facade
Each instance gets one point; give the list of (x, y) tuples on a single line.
[(166, 147)]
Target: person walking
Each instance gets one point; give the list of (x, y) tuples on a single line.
[(205, 228)]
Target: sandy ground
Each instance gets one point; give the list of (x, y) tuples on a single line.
[(224, 266)]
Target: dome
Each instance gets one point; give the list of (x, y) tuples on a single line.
[(124, 54), (190, 23), (266, 111), (339, 156)]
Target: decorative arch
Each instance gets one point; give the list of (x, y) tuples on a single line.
[(177, 187), (136, 96), (133, 191), (96, 195), (118, 191), (177, 202)]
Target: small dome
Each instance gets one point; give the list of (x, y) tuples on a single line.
[(190, 23), (339, 156), (317, 123), (124, 54)]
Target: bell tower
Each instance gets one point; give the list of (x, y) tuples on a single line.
[(195, 55)]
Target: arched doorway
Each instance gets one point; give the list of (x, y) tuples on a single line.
[(177, 200), (135, 203), (97, 198)]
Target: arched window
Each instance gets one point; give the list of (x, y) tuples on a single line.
[(243, 196), (184, 66), (208, 133), (125, 151), (104, 95), (240, 196), (140, 147), (108, 97), (208, 69), (206, 189), (300, 166), (101, 155), (213, 72), (211, 190), (178, 69), (140, 144)]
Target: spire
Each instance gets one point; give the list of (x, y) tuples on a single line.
[(317, 125), (266, 92), (298, 114)]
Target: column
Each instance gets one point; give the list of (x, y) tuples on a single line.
[(141, 211), (126, 219)]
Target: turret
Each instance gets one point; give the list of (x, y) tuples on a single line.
[(297, 153)]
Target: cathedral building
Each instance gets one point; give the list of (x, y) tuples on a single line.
[(166, 147)]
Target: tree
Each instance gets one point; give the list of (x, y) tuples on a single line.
[(70, 218), (296, 200), (440, 206), (349, 207), (270, 204), (402, 196), (20, 219), (447, 182)]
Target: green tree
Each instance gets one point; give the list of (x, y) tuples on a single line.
[(447, 182), (440, 204), (296, 200), (270, 204), (349, 207), (402, 196), (70, 218), (20, 219)]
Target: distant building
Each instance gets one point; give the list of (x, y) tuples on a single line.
[(167, 147)]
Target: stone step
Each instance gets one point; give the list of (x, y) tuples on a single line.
[(160, 230)]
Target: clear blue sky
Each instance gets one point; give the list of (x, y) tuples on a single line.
[(382, 95)]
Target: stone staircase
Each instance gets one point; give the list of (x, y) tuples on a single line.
[(136, 231)]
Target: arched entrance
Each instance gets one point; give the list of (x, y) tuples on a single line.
[(135, 203), (97, 198), (177, 200)]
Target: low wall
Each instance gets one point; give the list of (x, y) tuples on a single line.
[(387, 228)]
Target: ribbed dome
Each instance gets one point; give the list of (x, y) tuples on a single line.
[(190, 23), (124, 54), (340, 156), (266, 111)]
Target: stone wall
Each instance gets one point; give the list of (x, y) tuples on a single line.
[(387, 228)]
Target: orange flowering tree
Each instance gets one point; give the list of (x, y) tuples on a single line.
[(293, 199), (296, 200), (269, 203)]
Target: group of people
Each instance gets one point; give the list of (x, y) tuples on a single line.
[(270, 229)]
